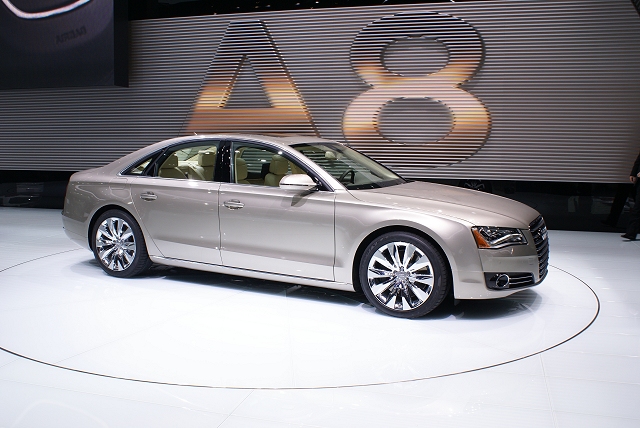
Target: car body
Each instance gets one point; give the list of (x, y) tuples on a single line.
[(308, 211)]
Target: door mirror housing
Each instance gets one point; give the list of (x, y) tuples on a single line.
[(297, 182)]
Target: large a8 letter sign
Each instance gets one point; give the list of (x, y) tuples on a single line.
[(470, 121), (249, 44)]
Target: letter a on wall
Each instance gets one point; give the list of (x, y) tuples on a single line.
[(248, 88)]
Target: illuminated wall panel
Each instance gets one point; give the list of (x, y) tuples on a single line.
[(521, 90)]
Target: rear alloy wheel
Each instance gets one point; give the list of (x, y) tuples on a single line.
[(118, 244), (403, 275)]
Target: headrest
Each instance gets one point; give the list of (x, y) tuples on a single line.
[(206, 157), (241, 169), (171, 162), (279, 165)]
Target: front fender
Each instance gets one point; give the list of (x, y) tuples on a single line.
[(357, 220)]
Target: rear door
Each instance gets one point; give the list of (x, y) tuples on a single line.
[(177, 202)]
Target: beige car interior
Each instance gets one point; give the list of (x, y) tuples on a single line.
[(205, 167), (295, 169), (169, 169), (250, 163), (199, 166), (278, 168), (241, 171)]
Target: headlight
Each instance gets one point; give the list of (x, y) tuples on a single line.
[(497, 237)]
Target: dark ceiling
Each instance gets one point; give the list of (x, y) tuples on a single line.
[(151, 9)]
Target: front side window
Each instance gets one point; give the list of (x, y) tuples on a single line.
[(353, 169), (259, 165)]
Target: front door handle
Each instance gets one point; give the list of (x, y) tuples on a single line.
[(148, 196), (233, 204)]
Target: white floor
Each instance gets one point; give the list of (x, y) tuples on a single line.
[(87, 350)]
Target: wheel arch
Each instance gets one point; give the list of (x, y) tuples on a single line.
[(98, 213), (395, 228)]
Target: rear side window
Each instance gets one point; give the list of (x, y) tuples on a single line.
[(190, 161), (139, 169), (193, 162)]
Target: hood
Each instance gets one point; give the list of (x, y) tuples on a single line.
[(477, 208)]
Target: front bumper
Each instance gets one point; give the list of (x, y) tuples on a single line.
[(510, 269)]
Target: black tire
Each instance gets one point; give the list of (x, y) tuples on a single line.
[(403, 288), (118, 244)]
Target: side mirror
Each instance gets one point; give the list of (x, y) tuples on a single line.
[(297, 182)]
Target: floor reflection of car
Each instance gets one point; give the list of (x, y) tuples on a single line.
[(306, 211)]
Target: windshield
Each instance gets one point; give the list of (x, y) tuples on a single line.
[(353, 169)]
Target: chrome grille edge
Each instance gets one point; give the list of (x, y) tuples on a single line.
[(538, 229)]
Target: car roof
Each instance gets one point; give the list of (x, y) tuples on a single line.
[(277, 138)]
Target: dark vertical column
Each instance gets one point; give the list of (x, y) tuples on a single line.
[(121, 42)]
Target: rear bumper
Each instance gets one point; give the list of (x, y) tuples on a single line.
[(75, 231)]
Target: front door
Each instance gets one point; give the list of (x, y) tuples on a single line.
[(266, 228)]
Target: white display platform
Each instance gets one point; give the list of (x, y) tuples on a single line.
[(186, 327)]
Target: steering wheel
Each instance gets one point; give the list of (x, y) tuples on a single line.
[(350, 172)]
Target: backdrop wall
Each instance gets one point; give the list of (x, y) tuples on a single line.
[(510, 90)]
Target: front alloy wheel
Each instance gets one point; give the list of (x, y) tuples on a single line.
[(118, 244), (403, 275)]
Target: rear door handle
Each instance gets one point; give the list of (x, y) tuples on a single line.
[(148, 196), (233, 204)]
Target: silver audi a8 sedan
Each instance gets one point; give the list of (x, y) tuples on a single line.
[(307, 211)]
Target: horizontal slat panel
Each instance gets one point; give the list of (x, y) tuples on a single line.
[(560, 82)]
